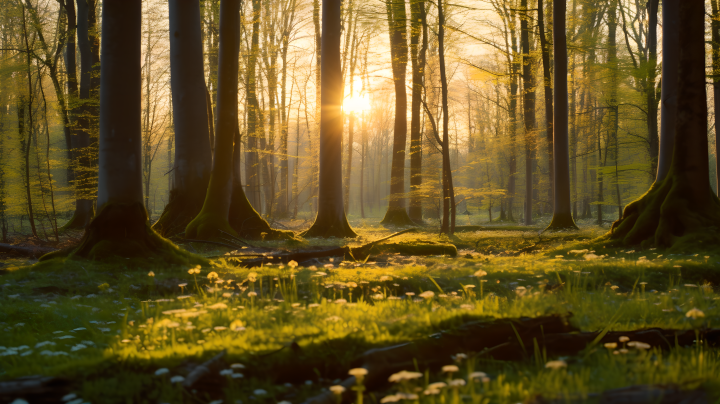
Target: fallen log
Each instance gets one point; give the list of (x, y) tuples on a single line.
[(34, 389), (353, 253), (200, 371), (436, 350), (571, 344), (639, 394), (506, 340), (26, 251)]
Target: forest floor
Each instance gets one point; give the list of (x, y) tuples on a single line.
[(84, 331)]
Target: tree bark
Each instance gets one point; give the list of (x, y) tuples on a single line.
[(193, 158), (548, 102), (715, 25), (448, 226), (214, 215), (121, 225), (528, 110), (562, 214), (680, 212), (397, 23), (652, 124), (418, 26), (252, 163), (84, 206), (330, 220)]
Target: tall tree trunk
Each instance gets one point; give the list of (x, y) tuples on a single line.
[(331, 220), (351, 129), (614, 66), (562, 214), (84, 208), (715, 25), (418, 26), (214, 215), (193, 158), (252, 168), (549, 131), (650, 92), (397, 23), (121, 225), (528, 110), (448, 226), (681, 211), (318, 102), (26, 137)]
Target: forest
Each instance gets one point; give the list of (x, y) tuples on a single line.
[(349, 201)]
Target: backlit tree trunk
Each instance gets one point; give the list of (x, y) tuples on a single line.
[(330, 220), (193, 159), (121, 226), (548, 101), (418, 28), (562, 214), (214, 215), (528, 110), (669, 100), (397, 24), (680, 211)]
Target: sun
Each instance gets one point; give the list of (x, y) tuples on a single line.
[(356, 103)]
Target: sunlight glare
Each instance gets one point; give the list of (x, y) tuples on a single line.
[(356, 103)]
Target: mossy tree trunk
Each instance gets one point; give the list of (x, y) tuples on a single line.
[(681, 211), (121, 226), (213, 216), (562, 214), (331, 220), (193, 158), (397, 25)]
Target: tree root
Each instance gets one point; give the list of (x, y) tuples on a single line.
[(668, 216), (122, 230), (397, 217), (180, 210)]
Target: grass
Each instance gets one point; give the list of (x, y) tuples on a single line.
[(108, 328)]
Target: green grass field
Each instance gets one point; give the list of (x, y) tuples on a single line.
[(119, 333)]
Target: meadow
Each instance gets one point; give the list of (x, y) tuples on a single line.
[(139, 331)]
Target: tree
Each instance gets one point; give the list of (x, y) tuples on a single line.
[(418, 27), (331, 220), (121, 226), (528, 109), (397, 24), (449, 207), (226, 208), (79, 139), (669, 94), (84, 202), (548, 101), (715, 28), (562, 214), (681, 211), (193, 157)]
